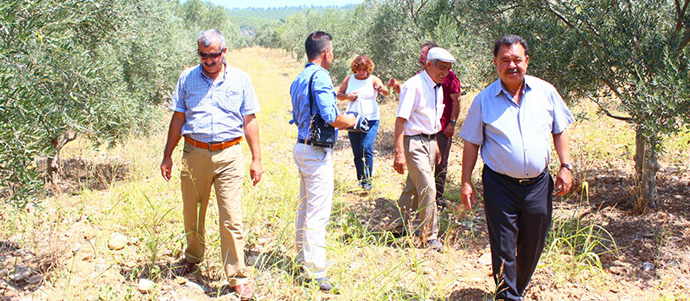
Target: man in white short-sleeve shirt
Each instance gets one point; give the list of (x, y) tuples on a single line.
[(416, 125)]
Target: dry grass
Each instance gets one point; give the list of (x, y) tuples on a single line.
[(66, 238)]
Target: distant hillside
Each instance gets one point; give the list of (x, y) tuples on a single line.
[(250, 18)]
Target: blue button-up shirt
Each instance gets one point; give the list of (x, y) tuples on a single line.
[(516, 140), (324, 99), (214, 111)]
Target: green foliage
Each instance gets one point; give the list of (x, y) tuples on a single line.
[(94, 68)]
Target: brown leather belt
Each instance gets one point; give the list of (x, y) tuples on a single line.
[(213, 146)]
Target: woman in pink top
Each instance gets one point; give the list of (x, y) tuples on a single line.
[(360, 90)]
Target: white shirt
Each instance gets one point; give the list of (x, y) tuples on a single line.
[(366, 97), (421, 104)]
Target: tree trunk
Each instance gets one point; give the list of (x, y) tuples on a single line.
[(53, 163), (646, 167)]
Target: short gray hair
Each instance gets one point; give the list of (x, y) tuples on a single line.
[(208, 36)]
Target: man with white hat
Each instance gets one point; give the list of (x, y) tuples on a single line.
[(416, 125)]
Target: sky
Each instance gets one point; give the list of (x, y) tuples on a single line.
[(281, 3)]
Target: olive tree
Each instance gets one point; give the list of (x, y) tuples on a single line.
[(629, 57)]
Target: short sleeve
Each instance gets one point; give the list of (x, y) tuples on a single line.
[(179, 95), (408, 101), (473, 127), (250, 105), (561, 114)]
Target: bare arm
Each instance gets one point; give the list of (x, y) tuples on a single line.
[(399, 160), (380, 87), (174, 134), (251, 132), (469, 159), (343, 88), (344, 121), (394, 84), (450, 127), (564, 179)]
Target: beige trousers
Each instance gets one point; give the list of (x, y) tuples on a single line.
[(224, 170), (420, 188)]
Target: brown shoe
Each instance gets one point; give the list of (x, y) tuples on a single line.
[(182, 267), (244, 291)]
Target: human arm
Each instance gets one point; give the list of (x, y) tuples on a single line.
[(564, 179), (450, 127), (342, 91), (380, 87), (251, 132), (174, 134), (393, 83), (469, 159), (399, 159), (344, 121)]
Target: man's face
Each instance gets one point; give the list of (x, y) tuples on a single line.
[(211, 57), (511, 64), (422, 55), (438, 71)]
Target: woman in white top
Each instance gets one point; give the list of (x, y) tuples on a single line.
[(360, 90)]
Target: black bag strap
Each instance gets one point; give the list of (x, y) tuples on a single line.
[(311, 96)]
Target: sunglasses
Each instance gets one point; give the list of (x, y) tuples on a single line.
[(213, 55)]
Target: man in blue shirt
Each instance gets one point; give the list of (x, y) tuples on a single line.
[(214, 105), (315, 163), (513, 121)]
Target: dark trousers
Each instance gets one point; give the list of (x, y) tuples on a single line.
[(518, 218), (441, 169), (363, 151)]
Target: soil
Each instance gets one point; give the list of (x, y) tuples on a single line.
[(646, 256)]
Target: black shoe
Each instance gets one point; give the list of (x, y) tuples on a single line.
[(182, 267), (442, 203), (404, 233)]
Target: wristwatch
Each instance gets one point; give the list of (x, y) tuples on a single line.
[(568, 166), (452, 122)]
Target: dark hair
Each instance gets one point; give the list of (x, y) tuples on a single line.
[(316, 43), (510, 40)]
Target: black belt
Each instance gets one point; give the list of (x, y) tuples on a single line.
[(302, 141), (523, 182), (430, 137)]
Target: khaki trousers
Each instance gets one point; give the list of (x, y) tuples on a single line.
[(224, 170), (420, 188)]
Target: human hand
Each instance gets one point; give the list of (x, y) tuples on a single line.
[(166, 168), (392, 82), (564, 181), (352, 96), (448, 131), (399, 162), (467, 195), (256, 170)]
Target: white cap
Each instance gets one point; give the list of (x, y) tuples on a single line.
[(440, 54)]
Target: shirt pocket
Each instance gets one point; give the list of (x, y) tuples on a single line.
[(230, 101)]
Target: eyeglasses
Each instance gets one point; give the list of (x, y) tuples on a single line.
[(213, 55)]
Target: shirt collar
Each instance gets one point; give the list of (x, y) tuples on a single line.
[(427, 79), (204, 76), (529, 81), (316, 66)]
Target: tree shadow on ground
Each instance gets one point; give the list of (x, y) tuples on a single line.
[(469, 294), (78, 174), (26, 270)]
